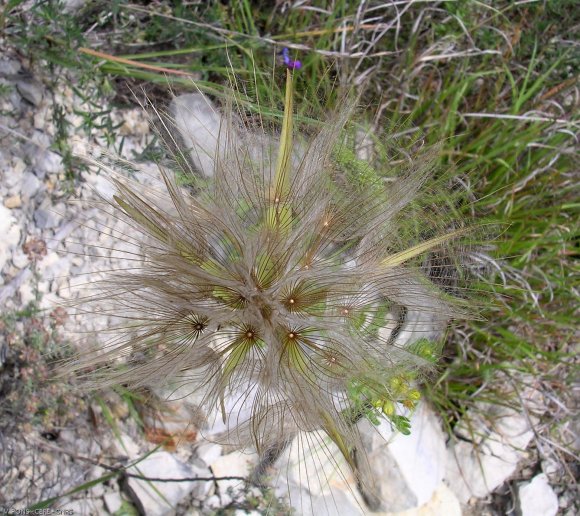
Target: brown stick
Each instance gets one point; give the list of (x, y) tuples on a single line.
[(130, 62)]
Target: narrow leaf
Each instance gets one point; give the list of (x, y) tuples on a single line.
[(279, 215), (407, 254)]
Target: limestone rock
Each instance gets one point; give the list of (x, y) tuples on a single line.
[(472, 472), (236, 464), (536, 498), (407, 469), (499, 436), (199, 124), (208, 452), (161, 498), (30, 185), (30, 90), (47, 162), (100, 184), (12, 202), (9, 67), (113, 502), (10, 231), (47, 216)]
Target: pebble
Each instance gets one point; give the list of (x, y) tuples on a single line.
[(536, 498), (405, 470), (48, 162), (30, 186), (208, 452), (161, 498), (47, 217), (31, 91), (500, 437), (113, 502), (125, 446), (19, 259), (135, 123), (551, 467), (14, 175), (10, 231), (27, 294), (14, 201), (9, 67)]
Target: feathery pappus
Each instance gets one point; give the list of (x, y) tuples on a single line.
[(273, 284)]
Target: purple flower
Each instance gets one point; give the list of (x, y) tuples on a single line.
[(290, 63)]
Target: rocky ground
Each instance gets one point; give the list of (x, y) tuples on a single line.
[(55, 239)]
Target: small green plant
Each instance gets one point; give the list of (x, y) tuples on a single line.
[(252, 498), (28, 397)]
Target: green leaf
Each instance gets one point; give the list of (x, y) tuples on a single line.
[(407, 254)]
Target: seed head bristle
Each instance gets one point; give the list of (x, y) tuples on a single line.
[(277, 279)]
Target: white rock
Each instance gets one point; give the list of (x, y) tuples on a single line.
[(26, 293), (48, 162), (337, 504), (103, 186), (9, 67), (13, 177), (496, 423), (18, 165), (199, 123), (53, 266), (208, 452), (536, 498), (98, 490), (29, 186), (442, 503), (30, 90), (41, 141), (126, 446), (134, 123), (81, 506), (551, 466), (471, 472), (213, 502), (408, 469), (161, 498), (10, 231), (236, 464), (19, 259), (47, 216), (386, 330), (404, 472), (113, 502), (499, 436)]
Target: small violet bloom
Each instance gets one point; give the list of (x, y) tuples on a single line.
[(290, 63)]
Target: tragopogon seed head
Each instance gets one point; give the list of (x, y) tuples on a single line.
[(275, 284)]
